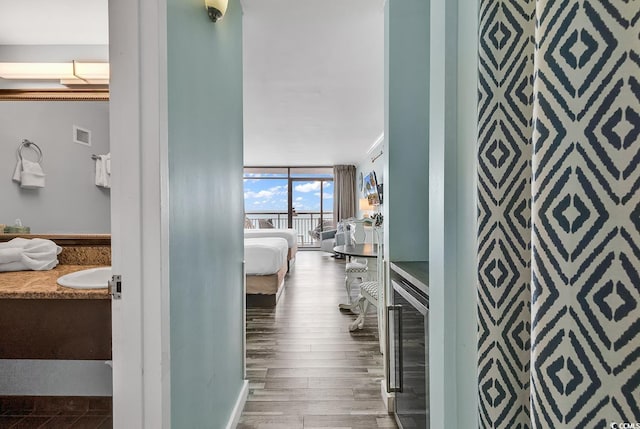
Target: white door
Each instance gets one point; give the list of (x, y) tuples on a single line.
[(140, 322)]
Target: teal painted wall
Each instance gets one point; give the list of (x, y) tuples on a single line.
[(407, 133), (453, 211), (205, 210)]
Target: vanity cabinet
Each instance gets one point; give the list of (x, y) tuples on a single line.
[(41, 320)]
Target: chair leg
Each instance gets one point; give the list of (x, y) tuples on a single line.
[(351, 305), (363, 306)]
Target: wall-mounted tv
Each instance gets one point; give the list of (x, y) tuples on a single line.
[(371, 189)]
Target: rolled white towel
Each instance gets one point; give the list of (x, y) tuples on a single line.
[(22, 254)]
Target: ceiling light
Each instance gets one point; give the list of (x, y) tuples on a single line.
[(40, 71), (70, 73)]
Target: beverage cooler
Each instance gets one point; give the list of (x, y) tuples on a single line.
[(408, 343)]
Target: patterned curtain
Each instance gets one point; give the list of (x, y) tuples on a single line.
[(578, 324), (344, 198)]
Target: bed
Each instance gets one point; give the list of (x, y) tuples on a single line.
[(290, 234), (265, 268)]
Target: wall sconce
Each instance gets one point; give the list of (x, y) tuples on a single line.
[(71, 73), (216, 9)]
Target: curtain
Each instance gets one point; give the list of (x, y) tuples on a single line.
[(344, 198), (559, 213), (504, 202)]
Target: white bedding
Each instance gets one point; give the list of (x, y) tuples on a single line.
[(289, 234), (265, 255)]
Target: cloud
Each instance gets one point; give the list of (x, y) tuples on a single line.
[(299, 199), (308, 187), (266, 194), (327, 196)]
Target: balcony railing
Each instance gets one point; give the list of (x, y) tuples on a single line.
[(304, 222)]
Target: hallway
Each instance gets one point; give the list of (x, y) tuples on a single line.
[(305, 369)]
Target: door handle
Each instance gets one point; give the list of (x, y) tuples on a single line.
[(391, 308)]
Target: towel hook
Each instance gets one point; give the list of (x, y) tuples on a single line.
[(30, 145)]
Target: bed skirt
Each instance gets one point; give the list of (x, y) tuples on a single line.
[(264, 291)]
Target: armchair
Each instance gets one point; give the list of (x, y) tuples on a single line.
[(330, 239)]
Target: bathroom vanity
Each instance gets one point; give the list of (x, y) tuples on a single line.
[(41, 320)]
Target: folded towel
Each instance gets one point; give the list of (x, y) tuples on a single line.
[(22, 254), (29, 174), (103, 171)]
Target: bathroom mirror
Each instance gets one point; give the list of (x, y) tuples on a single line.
[(70, 201)]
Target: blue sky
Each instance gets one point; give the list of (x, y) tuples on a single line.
[(271, 194)]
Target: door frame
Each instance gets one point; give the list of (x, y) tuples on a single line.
[(139, 213)]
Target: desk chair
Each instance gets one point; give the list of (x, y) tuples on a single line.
[(370, 289), (357, 269)]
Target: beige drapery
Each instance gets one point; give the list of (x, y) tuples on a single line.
[(344, 198)]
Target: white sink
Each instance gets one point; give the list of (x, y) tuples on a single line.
[(93, 278)]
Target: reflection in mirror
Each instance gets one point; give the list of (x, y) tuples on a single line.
[(69, 200)]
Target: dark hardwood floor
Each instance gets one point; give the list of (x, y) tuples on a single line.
[(305, 369)]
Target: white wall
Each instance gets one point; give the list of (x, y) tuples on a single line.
[(70, 202)]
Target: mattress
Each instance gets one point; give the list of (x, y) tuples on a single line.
[(266, 255), (291, 235)]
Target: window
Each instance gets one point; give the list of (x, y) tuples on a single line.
[(290, 197)]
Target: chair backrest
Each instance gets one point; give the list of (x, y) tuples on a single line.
[(357, 231), (265, 223), (378, 238)]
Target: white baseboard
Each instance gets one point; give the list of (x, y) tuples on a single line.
[(387, 398), (237, 409)]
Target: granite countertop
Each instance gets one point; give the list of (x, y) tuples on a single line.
[(42, 285), (66, 239)]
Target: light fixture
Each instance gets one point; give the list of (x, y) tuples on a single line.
[(69, 73), (364, 206), (216, 9)]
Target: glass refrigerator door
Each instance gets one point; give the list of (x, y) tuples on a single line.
[(411, 356)]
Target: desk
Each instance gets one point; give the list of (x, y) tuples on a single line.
[(366, 250)]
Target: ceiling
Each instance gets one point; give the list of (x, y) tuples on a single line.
[(313, 80), (313, 70), (59, 22)]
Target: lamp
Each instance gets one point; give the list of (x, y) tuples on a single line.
[(69, 73), (216, 9), (364, 206)]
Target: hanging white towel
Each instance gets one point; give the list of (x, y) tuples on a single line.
[(22, 254), (29, 174), (103, 171)]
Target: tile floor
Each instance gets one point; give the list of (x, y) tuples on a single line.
[(55, 413), (305, 369)]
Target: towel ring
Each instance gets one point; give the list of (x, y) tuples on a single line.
[(30, 145)]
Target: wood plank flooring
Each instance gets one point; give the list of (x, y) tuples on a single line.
[(305, 369)]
